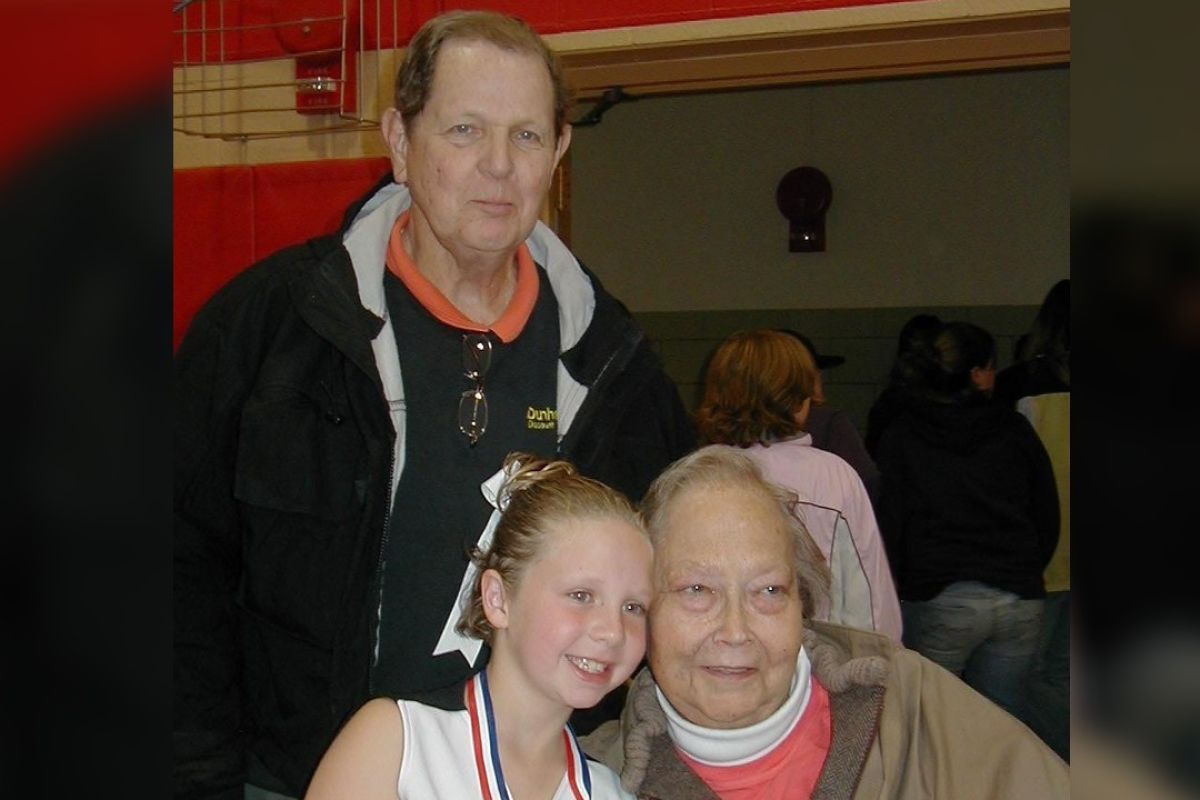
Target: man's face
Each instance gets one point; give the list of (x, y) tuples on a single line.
[(726, 624), (479, 157)]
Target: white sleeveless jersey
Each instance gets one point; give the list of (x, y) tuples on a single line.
[(453, 755)]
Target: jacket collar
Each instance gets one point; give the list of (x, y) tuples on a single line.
[(366, 235), (330, 307)]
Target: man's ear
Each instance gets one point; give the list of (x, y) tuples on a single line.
[(495, 599), (395, 136), (564, 141)]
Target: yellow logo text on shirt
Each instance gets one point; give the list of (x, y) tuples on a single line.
[(541, 419)]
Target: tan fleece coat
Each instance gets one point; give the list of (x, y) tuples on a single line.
[(903, 728)]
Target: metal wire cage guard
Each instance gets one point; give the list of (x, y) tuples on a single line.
[(258, 69)]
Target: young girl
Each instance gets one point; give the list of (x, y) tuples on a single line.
[(561, 597)]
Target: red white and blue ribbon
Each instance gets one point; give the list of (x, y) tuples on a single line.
[(486, 749), (578, 777)]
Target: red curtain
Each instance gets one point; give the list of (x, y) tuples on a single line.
[(226, 218)]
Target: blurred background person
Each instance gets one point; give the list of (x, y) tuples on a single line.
[(916, 336), (970, 517), (758, 394), (1135, 270), (832, 429), (1039, 387)]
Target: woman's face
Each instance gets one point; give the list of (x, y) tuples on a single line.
[(726, 623), (984, 378)]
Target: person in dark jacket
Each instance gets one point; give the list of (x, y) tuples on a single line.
[(916, 336), (343, 407), (969, 516), (1039, 387)]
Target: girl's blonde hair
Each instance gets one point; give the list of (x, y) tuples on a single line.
[(538, 497)]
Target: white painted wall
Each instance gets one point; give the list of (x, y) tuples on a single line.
[(950, 190)]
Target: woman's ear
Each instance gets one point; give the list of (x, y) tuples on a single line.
[(495, 598), (801, 413)]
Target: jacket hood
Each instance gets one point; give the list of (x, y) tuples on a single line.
[(957, 428)]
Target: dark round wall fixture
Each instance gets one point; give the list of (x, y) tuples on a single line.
[(803, 196)]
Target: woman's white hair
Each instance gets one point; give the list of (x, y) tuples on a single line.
[(722, 466)]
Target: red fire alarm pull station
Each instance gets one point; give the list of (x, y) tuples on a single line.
[(323, 36)]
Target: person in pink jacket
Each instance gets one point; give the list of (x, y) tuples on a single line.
[(758, 391)]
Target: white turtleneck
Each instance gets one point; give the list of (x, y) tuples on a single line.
[(735, 746)]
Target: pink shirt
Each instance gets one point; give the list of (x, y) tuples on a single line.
[(838, 515), (788, 772)]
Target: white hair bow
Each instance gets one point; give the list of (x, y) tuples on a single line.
[(451, 639)]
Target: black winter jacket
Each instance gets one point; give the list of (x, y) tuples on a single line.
[(283, 468), (968, 494)]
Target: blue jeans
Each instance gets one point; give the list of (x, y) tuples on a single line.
[(985, 635), (1048, 704)]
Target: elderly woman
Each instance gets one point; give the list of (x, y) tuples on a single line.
[(747, 697)]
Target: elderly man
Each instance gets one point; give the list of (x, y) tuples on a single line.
[(343, 410), (747, 697)]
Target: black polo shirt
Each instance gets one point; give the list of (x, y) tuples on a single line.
[(439, 511)]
